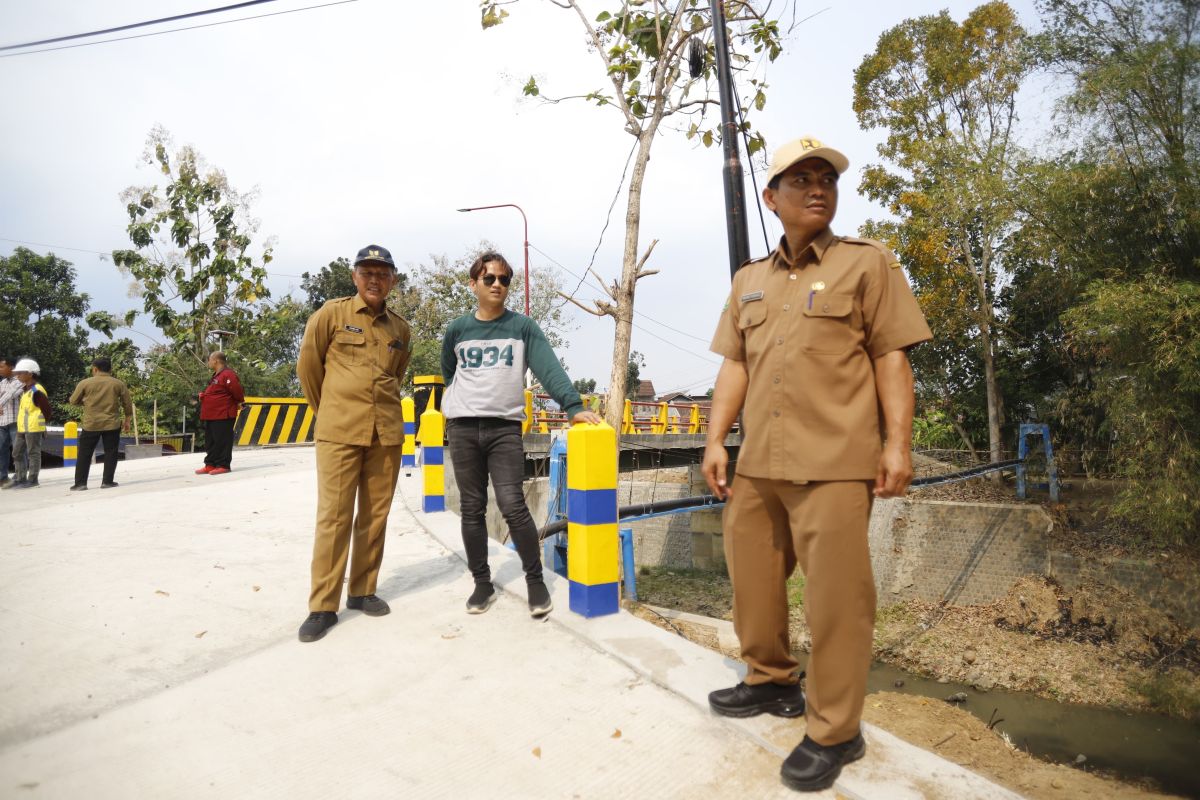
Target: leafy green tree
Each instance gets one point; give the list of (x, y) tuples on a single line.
[(584, 385), (334, 280), (40, 312), (1115, 225), (946, 95), (191, 258), (649, 53), (633, 374)]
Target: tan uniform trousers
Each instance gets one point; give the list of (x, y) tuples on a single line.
[(771, 525), (344, 470)]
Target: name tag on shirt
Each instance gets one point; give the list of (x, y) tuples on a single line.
[(746, 298), (353, 329)]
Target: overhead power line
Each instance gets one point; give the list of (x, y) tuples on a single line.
[(133, 25), (171, 30)]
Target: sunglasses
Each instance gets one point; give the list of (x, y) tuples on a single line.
[(489, 279)]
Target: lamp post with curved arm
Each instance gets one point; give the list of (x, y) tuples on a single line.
[(526, 220)]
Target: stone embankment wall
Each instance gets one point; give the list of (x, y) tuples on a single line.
[(935, 551)]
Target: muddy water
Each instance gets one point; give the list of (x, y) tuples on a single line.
[(1132, 745)]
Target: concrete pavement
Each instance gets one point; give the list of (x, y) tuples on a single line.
[(149, 649)]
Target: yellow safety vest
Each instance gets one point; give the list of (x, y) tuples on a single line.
[(29, 417)]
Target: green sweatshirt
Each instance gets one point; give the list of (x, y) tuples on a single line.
[(484, 366)]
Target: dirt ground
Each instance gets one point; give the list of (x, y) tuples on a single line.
[(1096, 647)]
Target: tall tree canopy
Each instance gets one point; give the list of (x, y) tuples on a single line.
[(946, 94), (191, 237), (40, 312)]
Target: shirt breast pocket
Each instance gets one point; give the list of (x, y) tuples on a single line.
[(750, 326), (349, 347), (828, 328)]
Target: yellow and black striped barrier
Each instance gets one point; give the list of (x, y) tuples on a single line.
[(273, 420)]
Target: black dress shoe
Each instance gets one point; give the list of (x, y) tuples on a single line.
[(109, 485), (744, 700), (315, 626), (79, 487), (812, 767), (369, 604)]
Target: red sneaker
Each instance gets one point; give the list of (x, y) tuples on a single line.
[(205, 470), (218, 470)]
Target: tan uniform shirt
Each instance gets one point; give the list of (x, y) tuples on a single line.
[(808, 328), (103, 397), (351, 366)]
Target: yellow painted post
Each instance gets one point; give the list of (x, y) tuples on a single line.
[(433, 470), (593, 554), (70, 443), (694, 419), (527, 423), (627, 418), (542, 426), (661, 422), (408, 450)]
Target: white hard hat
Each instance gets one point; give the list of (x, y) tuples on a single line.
[(27, 365)]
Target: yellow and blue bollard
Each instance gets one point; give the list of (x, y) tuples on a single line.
[(592, 549), (70, 443), (433, 469), (408, 450)]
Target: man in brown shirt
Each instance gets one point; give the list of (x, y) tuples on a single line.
[(352, 362), (814, 338), (103, 398)]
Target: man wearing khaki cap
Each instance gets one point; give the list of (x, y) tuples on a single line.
[(814, 337), (352, 361)]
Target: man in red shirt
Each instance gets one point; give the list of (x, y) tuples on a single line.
[(219, 404)]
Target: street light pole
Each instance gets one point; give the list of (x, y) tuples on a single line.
[(526, 220)]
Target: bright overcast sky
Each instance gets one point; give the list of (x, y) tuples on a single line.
[(371, 121)]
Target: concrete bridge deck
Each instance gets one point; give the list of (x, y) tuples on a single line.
[(149, 650)]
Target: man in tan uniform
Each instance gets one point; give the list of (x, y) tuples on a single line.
[(352, 361), (103, 398), (814, 339)]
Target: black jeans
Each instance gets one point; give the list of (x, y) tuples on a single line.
[(87, 447), (218, 442), (483, 446)]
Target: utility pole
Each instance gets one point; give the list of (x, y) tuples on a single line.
[(735, 196)]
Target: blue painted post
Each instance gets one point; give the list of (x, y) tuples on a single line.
[(554, 549), (1029, 429), (1022, 451), (628, 568)]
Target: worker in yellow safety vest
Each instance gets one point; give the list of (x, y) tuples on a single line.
[(32, 412)]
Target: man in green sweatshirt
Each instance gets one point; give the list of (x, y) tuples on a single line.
[(484, 358)]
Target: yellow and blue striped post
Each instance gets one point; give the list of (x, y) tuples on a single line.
[(592, 546), (70, 443), (433, 470), (408, 450)]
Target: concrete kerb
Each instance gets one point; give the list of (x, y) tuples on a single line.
[(893, 769)]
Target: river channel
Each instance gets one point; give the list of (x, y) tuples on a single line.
[(1129, 744)]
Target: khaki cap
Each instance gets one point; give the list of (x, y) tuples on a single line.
[(800, 149)]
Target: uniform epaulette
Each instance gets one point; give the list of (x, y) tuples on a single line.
[(880, 246), (750, 261)]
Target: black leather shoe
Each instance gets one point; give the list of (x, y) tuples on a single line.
[(745, 700), (369, 604), (109, 485), (79, 487), (812, 767), (315, 626)]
